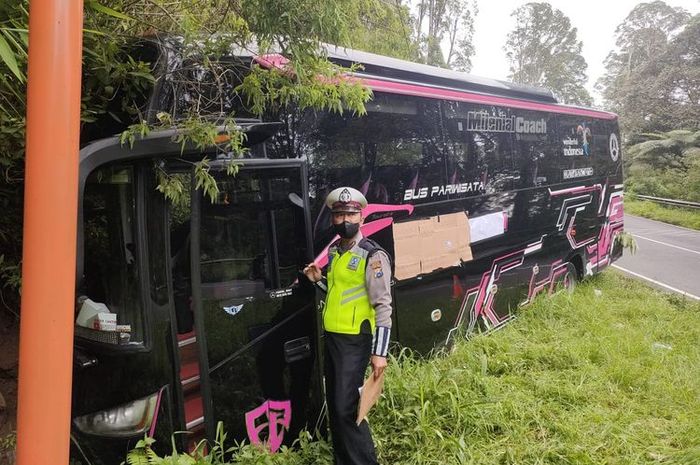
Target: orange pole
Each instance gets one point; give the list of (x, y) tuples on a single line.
[(50, 215)]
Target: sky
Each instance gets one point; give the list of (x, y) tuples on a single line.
[(595, 21)]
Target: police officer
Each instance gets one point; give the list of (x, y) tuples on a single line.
[(356, 320)]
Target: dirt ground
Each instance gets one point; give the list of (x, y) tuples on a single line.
[(9, 351)]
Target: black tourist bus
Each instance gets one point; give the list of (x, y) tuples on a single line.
[(484, 193)]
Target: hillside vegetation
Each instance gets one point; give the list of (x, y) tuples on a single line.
[(686, 217), (664, 165)]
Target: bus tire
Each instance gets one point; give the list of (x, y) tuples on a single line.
[(569, 279)]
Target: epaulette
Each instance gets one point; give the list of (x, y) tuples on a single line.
[(372, 247)]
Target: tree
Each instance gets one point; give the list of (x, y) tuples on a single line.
[(674, 91), (382, 27), (642, 42), (543, 50), (113, 78), (664, 93), (453, 20)]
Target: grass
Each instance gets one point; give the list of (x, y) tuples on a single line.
[(679, 216), (608, 375), (576, 379)]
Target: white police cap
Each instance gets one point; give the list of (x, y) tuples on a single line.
[(346, 199)]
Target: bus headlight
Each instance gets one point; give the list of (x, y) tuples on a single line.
[(134, 418)]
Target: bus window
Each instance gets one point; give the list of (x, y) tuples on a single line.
[(210, 89), (394, 148), (234, 243), (476, 151), (537, 153), (252, 246), (603, 162), (494, 151), (179, 226), (111, 278), (250, 236), (156, 226)]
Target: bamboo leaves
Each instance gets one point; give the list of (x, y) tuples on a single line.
[(97, 6), (7, 55), (204, 180)]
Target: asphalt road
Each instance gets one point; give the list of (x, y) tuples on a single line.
[(668, 256)]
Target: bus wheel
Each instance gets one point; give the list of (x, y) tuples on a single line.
[(568, 281)]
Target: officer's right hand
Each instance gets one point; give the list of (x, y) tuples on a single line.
[(313, 272)]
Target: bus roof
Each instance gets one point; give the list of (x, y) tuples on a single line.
[(392, 75), (402, 70)]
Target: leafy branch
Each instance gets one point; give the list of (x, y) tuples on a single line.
[(627, 241), (201, 134)]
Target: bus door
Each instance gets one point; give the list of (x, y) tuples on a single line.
[(125, 381), (254, 315)]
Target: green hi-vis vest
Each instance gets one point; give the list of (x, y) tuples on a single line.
[(347, 301)]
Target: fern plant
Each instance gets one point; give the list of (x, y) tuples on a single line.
[(306, 449), (627, 241)]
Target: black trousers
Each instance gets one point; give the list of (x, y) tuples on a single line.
[(346, 360)]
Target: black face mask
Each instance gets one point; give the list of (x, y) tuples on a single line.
[(346, 230)]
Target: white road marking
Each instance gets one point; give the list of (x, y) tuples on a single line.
[(666, 244), (658, 283)]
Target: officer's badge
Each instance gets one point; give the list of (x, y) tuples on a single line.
[(345, 196), (354, 263), (377, 269)]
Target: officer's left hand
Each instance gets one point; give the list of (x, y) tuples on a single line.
[(313, 272), (378, 365)]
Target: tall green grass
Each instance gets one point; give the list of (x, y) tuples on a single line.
[(608, 375), (679, 216), (576, 379)]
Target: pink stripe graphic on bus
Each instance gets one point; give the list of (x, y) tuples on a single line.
[(417, 90), (154, 422), (478, 302), (600, 253), (383, 208), (557, 268), (575, 190)]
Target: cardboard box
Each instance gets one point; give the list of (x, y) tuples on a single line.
[(406, 267), (406, 244), (105, 322), (422, 246)]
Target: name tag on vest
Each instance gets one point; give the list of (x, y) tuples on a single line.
[(354, 263)]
